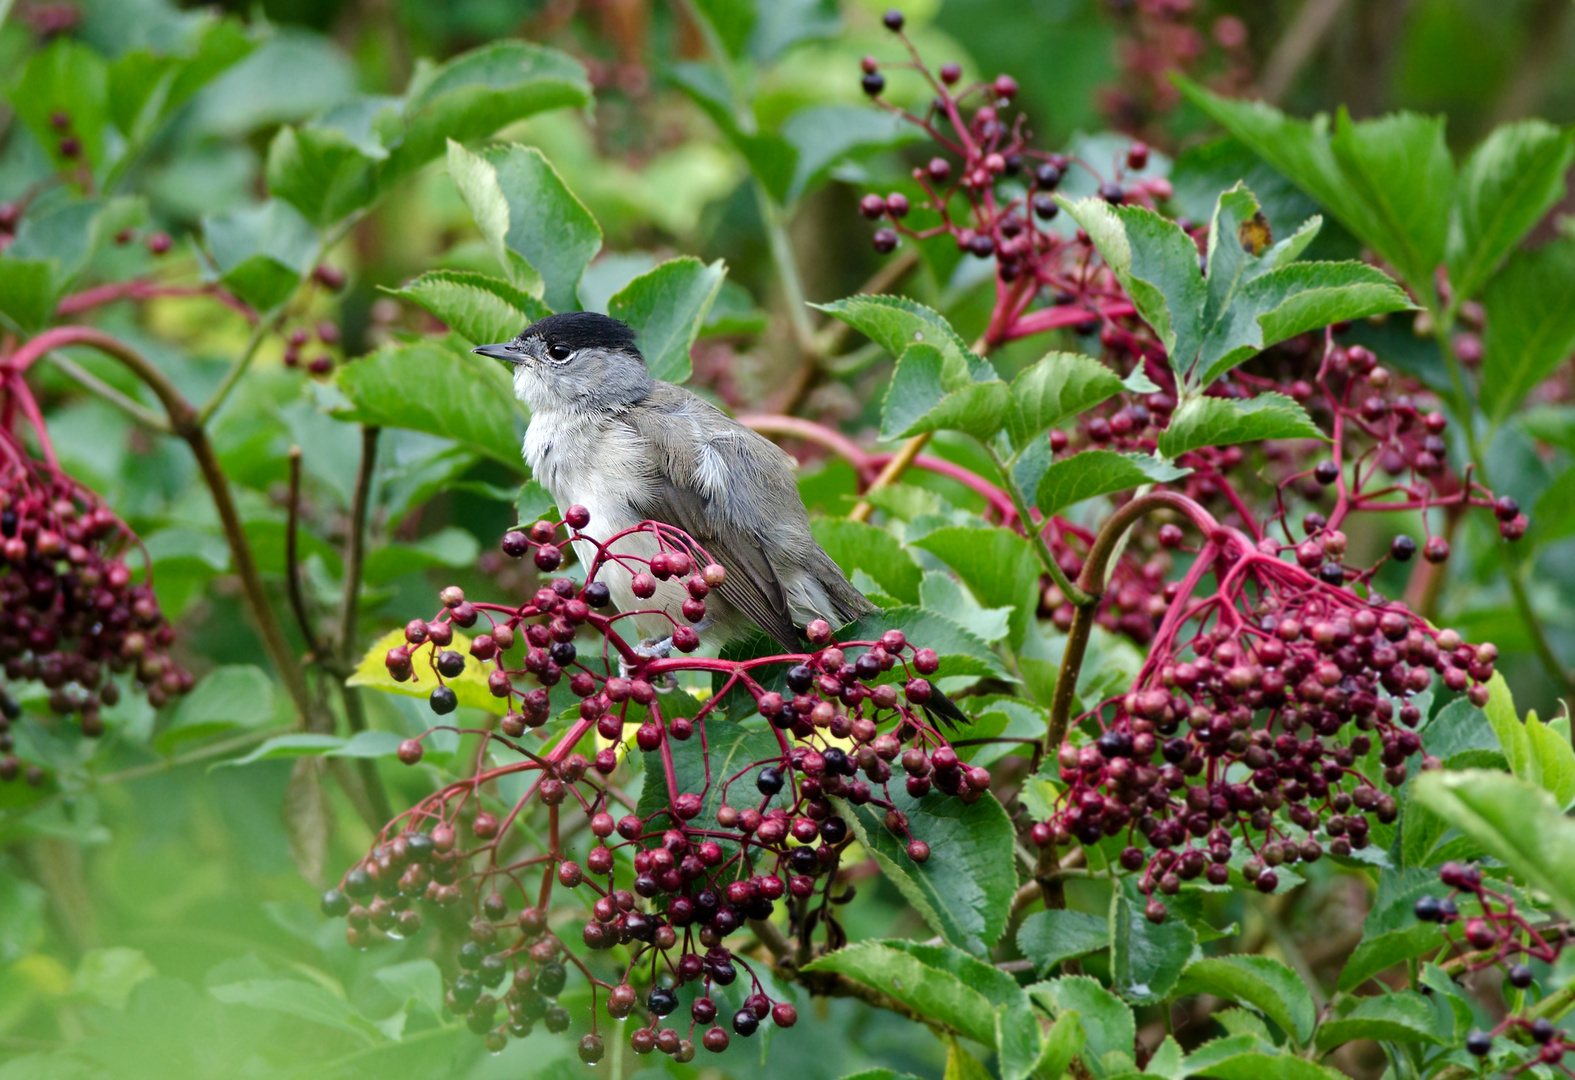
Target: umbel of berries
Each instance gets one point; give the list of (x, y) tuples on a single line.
[(72, 612), (667, 885)]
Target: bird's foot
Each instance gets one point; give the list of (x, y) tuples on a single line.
[(651, 649)]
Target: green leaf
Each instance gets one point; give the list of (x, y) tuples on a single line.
[(1062, 1043), (1049, 937), (1099, 472), (927, 990), (1396, 1017), (1514, 821), (298, 744), (1259, 982), (320, 171), (145, 88), (666, 308), (262, 252), (1255, 295), (784, 23), (231, 696), (1156, 262), (1512, 178), (732, 20), (932, 390), (1391, 933), (469, 686), (478, 92), (1058, 387), (539, 231), (1106, 1021), (895, 323), (71, 79), (939, 591), (1241, 1057), (478, 307), (1535, 751), (728, 751), (857, 546), (1211, 421), (770, 157), (998, 566), (1145, 959), (964, 890), (27, 292), (109, 975), (295, 997), (1389, 181), (450, 546), (824, 136), (414, 980), (1530, 324), (426, 387)]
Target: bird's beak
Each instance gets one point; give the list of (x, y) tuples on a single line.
[(504, 352)]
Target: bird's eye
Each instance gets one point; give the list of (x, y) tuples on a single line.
[(559, 352)]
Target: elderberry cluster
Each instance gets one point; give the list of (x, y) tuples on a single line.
[(1263, 726), (70, 612), (1007, 188), (664, 884)]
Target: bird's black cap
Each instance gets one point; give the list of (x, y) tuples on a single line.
[(583, 330)]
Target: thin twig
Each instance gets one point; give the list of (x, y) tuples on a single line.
[(1296, 46), (292, 564), (88, 381)]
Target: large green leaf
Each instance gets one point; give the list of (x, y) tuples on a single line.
[(426, 387), (1146, 958), (1258, 982), (1536, 752), (1211, 421), (1107, 1022), (770, 157), (478, 307), (1396, 1017), (262, 252), (1058, 387), (902, 976), (1049, 937), (469, 686), (1514, 821), (998, 566), (1530, 324), (230, 696), (666, 308), (964, 890), (1245, 1057), (1391, 933), (1507, 184), (320, 171), (539, 231), (858, 546), (27, 292), (827, 135), (895, 323), (1399, 166), (932, 390), (71, 79), (1389, 181), (1099, 472), (146, 87), (478, 92), (1254, 296)]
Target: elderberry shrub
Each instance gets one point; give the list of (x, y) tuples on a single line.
[(1261, 728), (71, 612), (772, 834)]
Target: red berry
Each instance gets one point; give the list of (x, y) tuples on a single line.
[(410, 751)]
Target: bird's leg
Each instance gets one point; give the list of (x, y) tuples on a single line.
[(650, 649)]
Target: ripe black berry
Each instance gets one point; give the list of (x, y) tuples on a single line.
[(893, 20), (873, 83), (770, 780), (745, 1022), (443, 700), (1479, 1043), (1520, 976), (1402, 548)]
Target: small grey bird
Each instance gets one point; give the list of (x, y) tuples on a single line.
[(608, 436)]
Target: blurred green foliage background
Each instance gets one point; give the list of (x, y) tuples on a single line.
[(123, 903)]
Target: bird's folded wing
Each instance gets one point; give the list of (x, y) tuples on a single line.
[(689, 493)]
